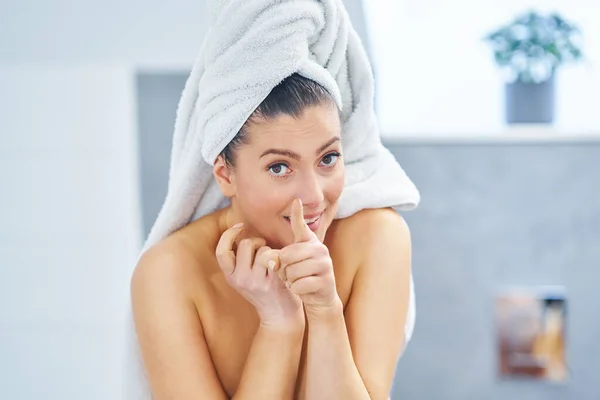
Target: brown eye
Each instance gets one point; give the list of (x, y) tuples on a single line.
[(330, 159), (278, 169)]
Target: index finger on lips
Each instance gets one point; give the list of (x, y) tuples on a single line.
[(301, 231), (224, 250)]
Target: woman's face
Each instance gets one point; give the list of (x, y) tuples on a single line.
[(289, 158)]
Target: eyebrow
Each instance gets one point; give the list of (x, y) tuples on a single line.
[(296, 156)]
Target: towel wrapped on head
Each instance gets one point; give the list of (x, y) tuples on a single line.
[(252, 46)]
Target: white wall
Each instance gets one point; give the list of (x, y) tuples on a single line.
[(69, 203), (69, 231), (136, 32), (437, 75)]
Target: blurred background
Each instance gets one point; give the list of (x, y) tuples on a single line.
[(509, 173)]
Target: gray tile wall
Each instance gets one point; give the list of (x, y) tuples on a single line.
[(493, 215)]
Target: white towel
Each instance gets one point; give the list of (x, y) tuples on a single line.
[(251, 46)]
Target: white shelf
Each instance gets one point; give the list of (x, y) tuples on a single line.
[(502, 135)]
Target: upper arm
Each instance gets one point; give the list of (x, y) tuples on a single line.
[(175, 354), (377, 309)]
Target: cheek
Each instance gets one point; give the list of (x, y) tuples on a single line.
[(257, 199), (260, 204), (334, 186)]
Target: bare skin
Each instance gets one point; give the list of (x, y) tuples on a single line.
[(202, 338)]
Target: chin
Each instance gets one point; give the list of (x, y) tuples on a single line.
[(322, 232)]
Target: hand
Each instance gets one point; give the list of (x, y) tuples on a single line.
[(250, 271), (307, 267)]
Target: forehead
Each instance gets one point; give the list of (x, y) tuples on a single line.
[(316, 124)]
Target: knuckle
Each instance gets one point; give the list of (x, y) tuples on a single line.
[(241, 283), (259, 242), (262, 251), (282, 274), (329, 279), (258, 286), (220, 253), (233, 280), (222, 261), (284, 255), (322, 249)]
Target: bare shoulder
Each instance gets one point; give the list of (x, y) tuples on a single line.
[(377, 310), (164, 289), (167, 266), (375, 218), (371, 230), (176, 264)]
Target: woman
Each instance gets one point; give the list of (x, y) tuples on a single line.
[(271, 298)]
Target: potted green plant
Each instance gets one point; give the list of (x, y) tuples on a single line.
[(529, 50)]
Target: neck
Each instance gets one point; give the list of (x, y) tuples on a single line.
[(230, 216), (227, 218)]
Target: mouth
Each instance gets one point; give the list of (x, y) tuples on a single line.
[(312, 220)]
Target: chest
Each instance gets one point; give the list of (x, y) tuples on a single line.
[(230, 322)]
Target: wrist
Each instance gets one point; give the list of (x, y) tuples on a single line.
[(331, 312), (283, 325)]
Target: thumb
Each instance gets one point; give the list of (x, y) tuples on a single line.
[(302, 232)]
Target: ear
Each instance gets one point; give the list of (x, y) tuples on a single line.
[(224, 177)]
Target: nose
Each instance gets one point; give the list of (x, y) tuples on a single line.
[(311, 191)]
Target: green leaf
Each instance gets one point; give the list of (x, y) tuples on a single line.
[(541, 39)]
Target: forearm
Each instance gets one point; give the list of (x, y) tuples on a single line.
[(271, 367), (331, 371)]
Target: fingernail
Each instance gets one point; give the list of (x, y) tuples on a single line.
[(287, 284), (238, 225), (271, 264)]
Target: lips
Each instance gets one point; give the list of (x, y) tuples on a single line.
[(313, 221), (309, 218)]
